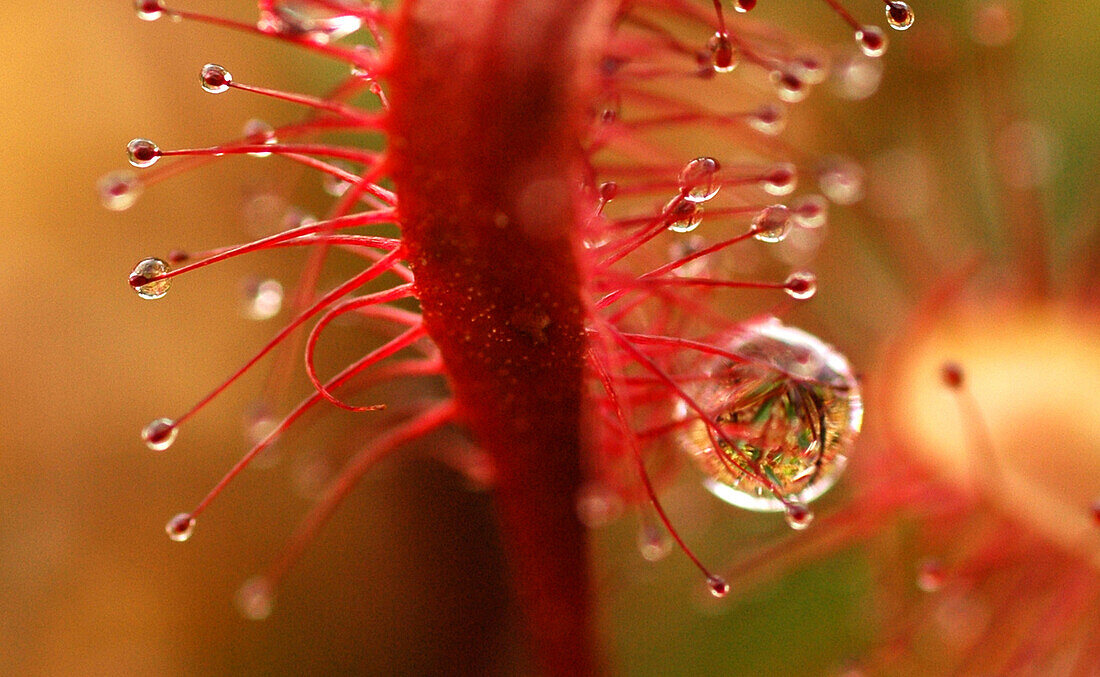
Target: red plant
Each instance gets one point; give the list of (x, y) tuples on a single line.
[(526, 142)]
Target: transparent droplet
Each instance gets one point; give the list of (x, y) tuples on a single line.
[(654, 542), (257, 132), (857, 77), (718, 586), (789, 412), (149, 10), (780, 179), (180, 527), (160, 434), (995, 23), (683, 216), (119, 190), (255, 599), (841, 180), (772, 224), (143, 278), (769, 119), (597, 505), (335, 185), (810, 211), (744, 5), (810, 69), (697, 182), (798, 516), (930, 575), (723, 56), (142, 152), (319, 22), (608, 191), (261, 299), (899, 15), (801, 285), (214, 78), (871, 40), (789, 86)]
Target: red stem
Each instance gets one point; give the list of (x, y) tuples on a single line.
[(487, 114)]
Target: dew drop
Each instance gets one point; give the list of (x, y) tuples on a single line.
[(257, 132), (810, 211), (119, 190), (857, 77), (255, 599), (261, 299), (160, 434), (697, 182), (789, 411), (841, 180), (608, 191), (654, 543), (930, 575), (142, 152), (789, 86), (744, 5), (772, 224), (597, 505), (899, 15), (810, 69), (801, 285), (149, 10), (718, 586), (781, 179), (319, 22), (871, 40), (683, 216), (144, 281), (723, 56), (769, 119), (180, 527), (215, 79), (798, 516)]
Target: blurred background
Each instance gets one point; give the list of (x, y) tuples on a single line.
[(89, 584)]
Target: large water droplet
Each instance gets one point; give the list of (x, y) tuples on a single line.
[(319, 22), (180, 527), (899, 15), (723, 56), (160, 434), (118, 190), (214, 78), (142, 152), (790, 410), (697, 182), (255, 598), (772, 224), (683, 216), (144, 281)]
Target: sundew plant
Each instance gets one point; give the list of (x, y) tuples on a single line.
[(549, 201)]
